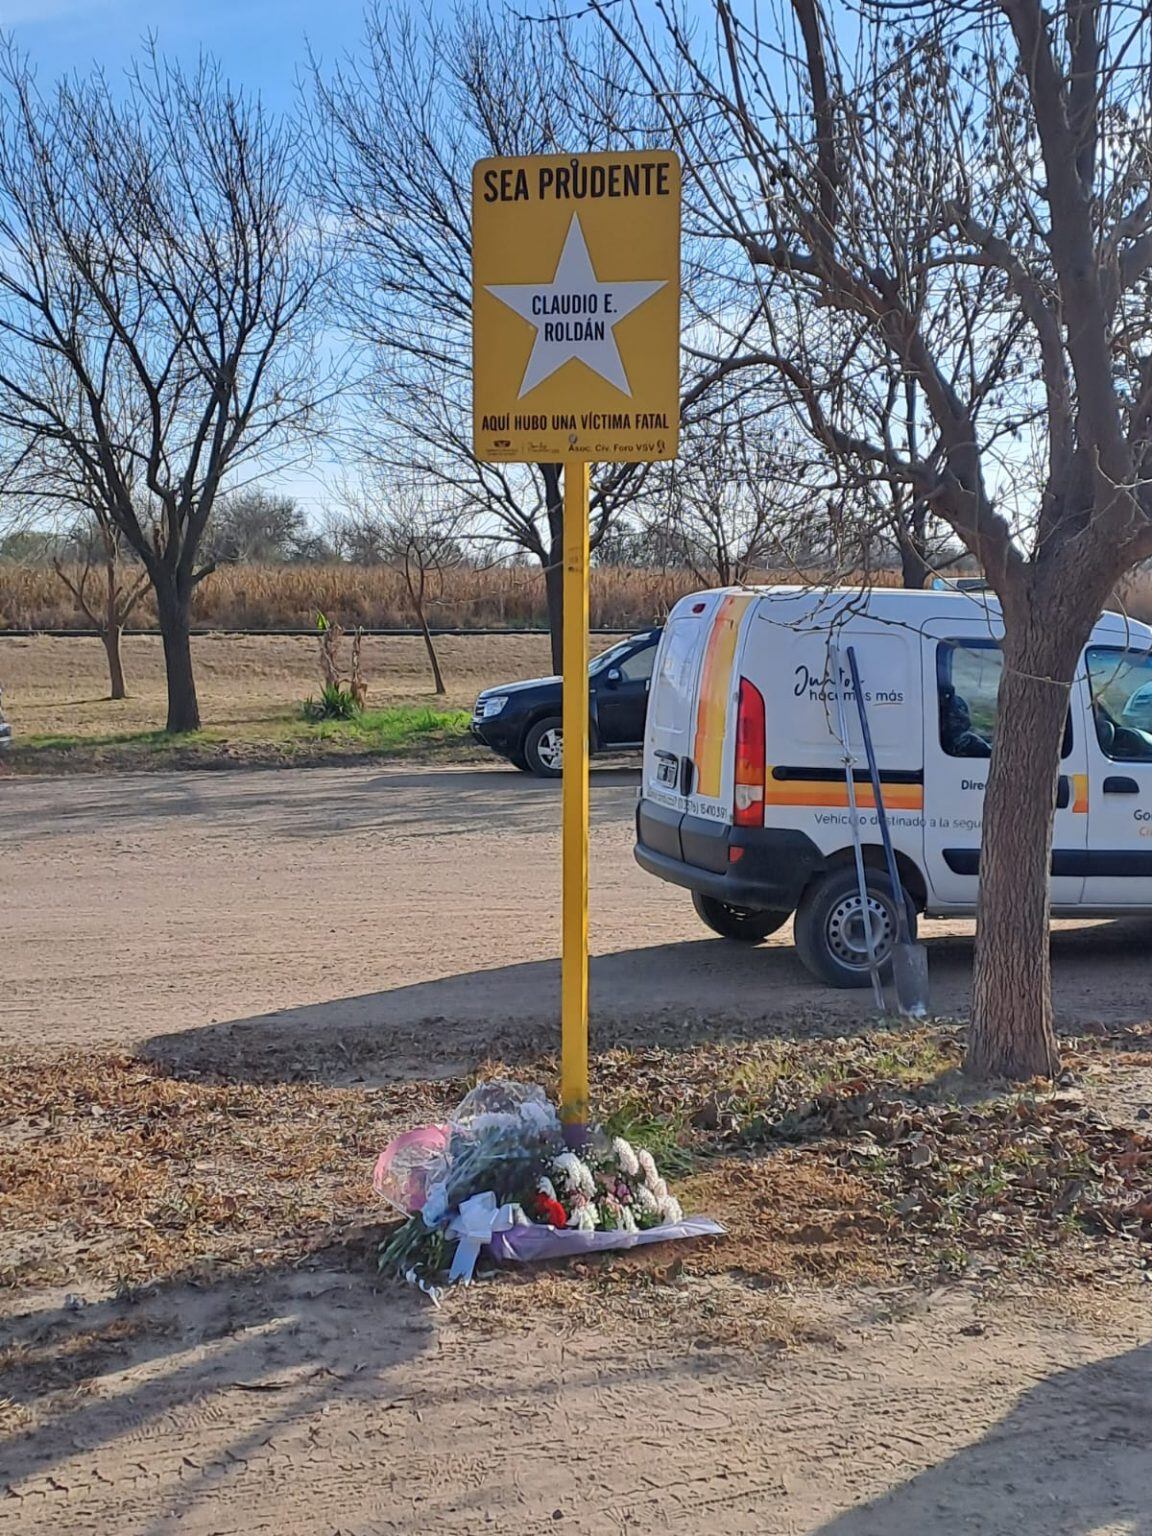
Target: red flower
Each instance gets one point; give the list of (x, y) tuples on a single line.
[(547, 1210)]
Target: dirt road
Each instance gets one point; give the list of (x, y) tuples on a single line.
[(341, 923), (394, 916)]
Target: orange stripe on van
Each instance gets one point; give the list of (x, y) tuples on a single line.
[(715, 686), (1080, 794), (825, 793)]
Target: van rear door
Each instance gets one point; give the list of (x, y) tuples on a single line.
[(672, 704), (673, 738)]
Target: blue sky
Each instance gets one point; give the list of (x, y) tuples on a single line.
[(261, 43)]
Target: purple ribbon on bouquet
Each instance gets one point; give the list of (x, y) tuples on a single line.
[(523, 1245)]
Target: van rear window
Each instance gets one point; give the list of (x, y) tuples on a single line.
[(672, 698)]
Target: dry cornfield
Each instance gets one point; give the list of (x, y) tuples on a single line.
[(290, 596)]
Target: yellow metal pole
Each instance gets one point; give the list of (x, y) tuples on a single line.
[(574, 961)]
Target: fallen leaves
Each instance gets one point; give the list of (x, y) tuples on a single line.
[(829, 1160), (111, 1170)]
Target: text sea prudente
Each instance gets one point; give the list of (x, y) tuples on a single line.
[(575, 182)]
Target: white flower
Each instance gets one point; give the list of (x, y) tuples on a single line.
[(647, 1167), (546, 1187), (627, 1221), (576, 1174), (629, 1162), (659, 1189), (565, 1167), (586, 1218), (670, 1209), (647, 1201)]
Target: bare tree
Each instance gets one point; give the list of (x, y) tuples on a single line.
[(739, 498), (751, 491), (156, 254), (91, 558), (258, 527), (106, 589), (403, 128), (719, 502), (962, 194), (405, 527)]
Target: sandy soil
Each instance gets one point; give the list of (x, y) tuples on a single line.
[(346, 923), (305, 1404), (406, 920), (58, 685)]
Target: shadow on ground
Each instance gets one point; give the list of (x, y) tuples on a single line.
[(666, 994), (1071, 1459), (321, 802), (294, 1401), (289, 1338)]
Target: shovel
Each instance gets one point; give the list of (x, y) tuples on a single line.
[(857, 849), (909, 960)]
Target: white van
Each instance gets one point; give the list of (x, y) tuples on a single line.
[(745, 801)]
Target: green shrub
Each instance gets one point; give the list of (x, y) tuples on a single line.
[(334, 703)]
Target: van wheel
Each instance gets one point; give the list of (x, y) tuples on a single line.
[(831, 939), (747, 924), (544, 749)]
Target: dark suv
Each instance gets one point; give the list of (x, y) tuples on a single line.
[(5, 728), (522, 721)]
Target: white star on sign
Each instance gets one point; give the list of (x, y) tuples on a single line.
[(596, 309)]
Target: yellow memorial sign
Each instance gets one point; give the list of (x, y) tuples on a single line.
[(575, 358), (576, 307)]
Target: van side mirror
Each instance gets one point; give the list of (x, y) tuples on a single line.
[(613, 676)]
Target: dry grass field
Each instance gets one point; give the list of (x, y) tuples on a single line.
[(251, 689), (290, 596), (60, 686)]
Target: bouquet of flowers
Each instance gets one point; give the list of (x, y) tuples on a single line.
[(500, 1177), (609, 1188)]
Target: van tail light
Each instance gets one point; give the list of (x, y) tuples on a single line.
[(748, 809)]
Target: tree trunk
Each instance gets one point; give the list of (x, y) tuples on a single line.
[(433, 660), (554, 587), (914, 569), (913, 533), (554, 571), (1011, 1034), (175, 615), (112, 635)]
